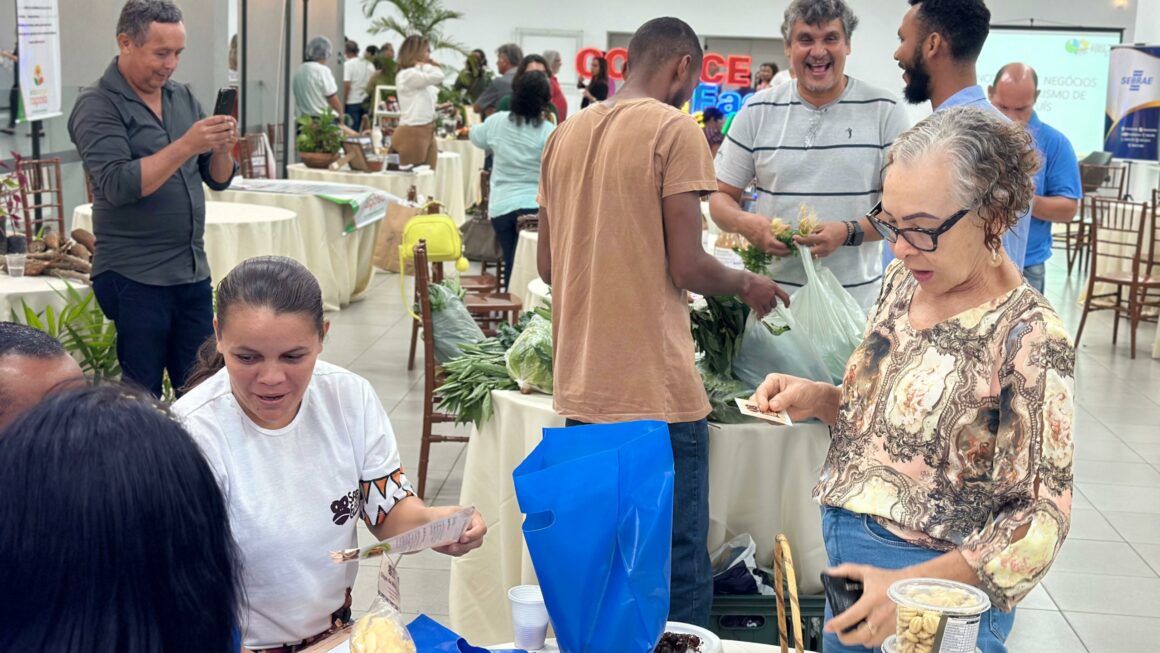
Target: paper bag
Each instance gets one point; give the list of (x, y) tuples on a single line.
[(391, 236)]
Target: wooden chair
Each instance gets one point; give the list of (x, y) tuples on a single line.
[(432, 373), (1098, 180), (255, 157), (1120, 231), (275, 140), (41, 196)]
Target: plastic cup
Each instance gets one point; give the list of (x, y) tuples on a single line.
[(15, 264), (937, 616), (529, 617)]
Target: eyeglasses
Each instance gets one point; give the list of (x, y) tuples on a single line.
[(924, 240)]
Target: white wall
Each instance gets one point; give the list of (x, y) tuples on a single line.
[(489, 23)]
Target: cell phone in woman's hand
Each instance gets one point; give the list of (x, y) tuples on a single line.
[(842, 594)]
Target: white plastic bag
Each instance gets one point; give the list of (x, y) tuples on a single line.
[(777, 344), (829, 315)]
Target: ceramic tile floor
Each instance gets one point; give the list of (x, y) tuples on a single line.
[(1102, 594)]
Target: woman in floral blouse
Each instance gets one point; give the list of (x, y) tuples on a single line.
[(952, 450)]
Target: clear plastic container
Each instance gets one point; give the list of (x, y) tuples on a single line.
[(937, 616), (891, 645)]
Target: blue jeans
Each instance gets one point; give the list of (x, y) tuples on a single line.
[(1035, 274), (159, 328), (858, 539), (691, 584)]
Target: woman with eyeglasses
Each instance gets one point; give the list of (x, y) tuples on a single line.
[(951, 452)]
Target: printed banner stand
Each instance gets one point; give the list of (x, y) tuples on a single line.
[(1132, 124)]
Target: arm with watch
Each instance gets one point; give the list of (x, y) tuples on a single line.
[(832, 235)]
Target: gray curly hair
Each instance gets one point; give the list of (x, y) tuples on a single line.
[(818, 12), (137, 15), (992, 162), (318, 49)]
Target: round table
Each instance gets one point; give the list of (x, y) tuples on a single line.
[(524, 266), (761, 479), (343, 263), (395, 183), (235, 232), (449, 186), (37, 292), (472, 158)]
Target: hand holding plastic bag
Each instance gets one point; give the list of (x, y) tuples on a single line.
[(829, 315)]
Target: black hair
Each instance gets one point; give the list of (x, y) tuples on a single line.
[(137, 15), (352, 48), (713, 113), (278, 283), (529, 59), (601, 70), (372, 50), (116, 535), (964, 23), (22, 340), (772, 66), (662, 39), (531, 95), (482, 57), (1003, 69)]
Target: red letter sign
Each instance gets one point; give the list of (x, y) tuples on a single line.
[(616, 55), (717, 77), (738, 70)]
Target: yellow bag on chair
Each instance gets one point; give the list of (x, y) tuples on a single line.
[(443, 245)]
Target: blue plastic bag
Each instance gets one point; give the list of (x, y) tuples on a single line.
[(599, 506), (432, 637)]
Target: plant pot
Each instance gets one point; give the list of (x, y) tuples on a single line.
[(318, 159)]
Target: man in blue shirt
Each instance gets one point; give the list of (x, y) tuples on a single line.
[(1057, 184), (939, 43)]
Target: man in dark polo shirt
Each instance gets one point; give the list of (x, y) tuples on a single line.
[(148, 147)]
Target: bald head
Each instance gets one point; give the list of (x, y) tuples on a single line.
[(1014, 91)]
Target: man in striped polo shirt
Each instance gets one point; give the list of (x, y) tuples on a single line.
[(818, 142)]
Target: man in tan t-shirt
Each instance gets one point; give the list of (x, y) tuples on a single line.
[(620, 243)]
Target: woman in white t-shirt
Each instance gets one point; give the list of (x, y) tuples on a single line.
[(418, 83), (302, 449)]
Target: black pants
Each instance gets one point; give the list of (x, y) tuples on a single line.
[(507, 231), (356, 113), (13, 105), (159, 328)]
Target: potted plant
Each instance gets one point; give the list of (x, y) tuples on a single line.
[(319, 139)]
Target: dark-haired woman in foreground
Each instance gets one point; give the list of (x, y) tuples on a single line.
[(302, 450), (115, 536)]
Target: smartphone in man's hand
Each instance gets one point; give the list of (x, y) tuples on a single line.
[(226, 98)]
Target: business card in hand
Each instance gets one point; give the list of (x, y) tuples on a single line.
[(749, 407)]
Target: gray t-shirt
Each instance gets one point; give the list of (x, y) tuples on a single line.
[(498, 88), (828, 158), (155, 239)]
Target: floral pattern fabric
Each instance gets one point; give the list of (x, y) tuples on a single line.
[(959, 436)]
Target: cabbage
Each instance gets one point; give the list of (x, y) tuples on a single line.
[(529, 361)]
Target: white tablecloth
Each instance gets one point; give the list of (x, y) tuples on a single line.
[(395, 183), (760, 480), (37, 292), (538, 294), (236, 232), (449, 186), (472, 158), (524, 268), (343, 263)]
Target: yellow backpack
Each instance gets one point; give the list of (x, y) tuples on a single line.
[(444, 244)]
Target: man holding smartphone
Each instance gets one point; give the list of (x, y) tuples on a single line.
[(148, 148)]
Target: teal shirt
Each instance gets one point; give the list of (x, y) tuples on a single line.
[(515, 173)]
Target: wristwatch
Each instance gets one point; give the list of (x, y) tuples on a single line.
[(854, 234)]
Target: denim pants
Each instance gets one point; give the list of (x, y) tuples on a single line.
[(507, 232), (691, 584), (159, 328), (858, 539), (1035, 275)]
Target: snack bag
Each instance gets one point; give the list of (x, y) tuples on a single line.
[(381, 631)]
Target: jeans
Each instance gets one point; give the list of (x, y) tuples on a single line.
[(691, 584), (507, 232), (159, 328), (856, 538), (1035, 274), (356, 113)]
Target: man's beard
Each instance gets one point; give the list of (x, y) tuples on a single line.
[(917, 90)]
